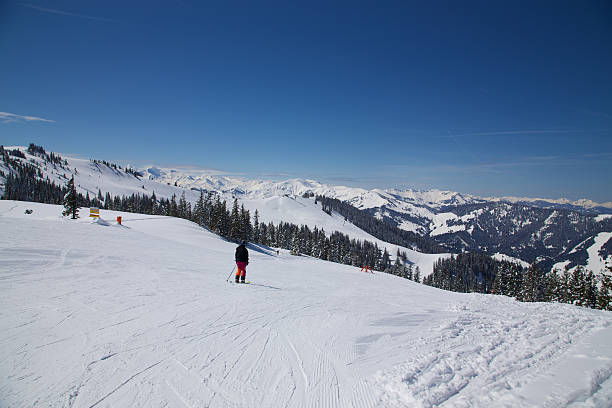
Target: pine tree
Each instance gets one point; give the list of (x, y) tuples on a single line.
[(577, 287), (272, 235), (182, 207), (70, 200), (235, 223), (225, 221), (198, 210), (263, 234), (246, 229), (256, 231), (604, 297), (154, 205), (108, 202), (407, 271), (295, 246), (590, 290), (516, 283), (417, 274), (173, 210), (552, 287), (528, 289), (397, 266), (565, 292), (385, 262)]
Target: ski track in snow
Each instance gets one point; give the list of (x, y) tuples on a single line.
[(94, 315)]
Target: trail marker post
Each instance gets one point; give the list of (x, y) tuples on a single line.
[(94, 212)]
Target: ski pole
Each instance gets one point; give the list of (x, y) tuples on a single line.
[(228, 278)]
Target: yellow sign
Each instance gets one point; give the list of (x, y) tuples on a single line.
[(94, 212)]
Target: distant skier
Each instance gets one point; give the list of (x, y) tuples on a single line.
[(242, 260)]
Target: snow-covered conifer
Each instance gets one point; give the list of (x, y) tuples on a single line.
[(70, 200), (256, 236), (198, 210), (604, 297)]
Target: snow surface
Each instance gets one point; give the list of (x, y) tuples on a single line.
[(440, 222), (94, 314), (595, 262), (503, 257), (275, 201)]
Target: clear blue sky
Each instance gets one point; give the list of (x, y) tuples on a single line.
[(491, 98)]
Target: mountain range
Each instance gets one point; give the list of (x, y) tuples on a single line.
[(553, 233)]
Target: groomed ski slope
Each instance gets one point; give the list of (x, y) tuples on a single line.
[(140, 315)]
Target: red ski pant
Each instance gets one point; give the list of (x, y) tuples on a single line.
[(241, 269)]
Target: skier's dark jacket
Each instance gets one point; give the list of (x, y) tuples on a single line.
[(242, 255)]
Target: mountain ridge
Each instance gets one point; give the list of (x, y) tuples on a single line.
[(533, 230), (201, 178)]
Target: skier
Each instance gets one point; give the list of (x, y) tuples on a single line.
[(242, 260)]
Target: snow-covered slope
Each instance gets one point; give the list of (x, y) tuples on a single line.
[(530, 230), (457, 222), (299, 210), (596, 259), (91, 177), (140, 315), (275, 201)]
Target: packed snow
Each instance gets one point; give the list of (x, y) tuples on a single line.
[(96, 314)]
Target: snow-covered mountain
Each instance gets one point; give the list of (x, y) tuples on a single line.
[(96, 314), (532, 230), (275, 201), (358, 197), (361, 198), (561, 203)]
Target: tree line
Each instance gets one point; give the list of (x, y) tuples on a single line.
[(473, 272)]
